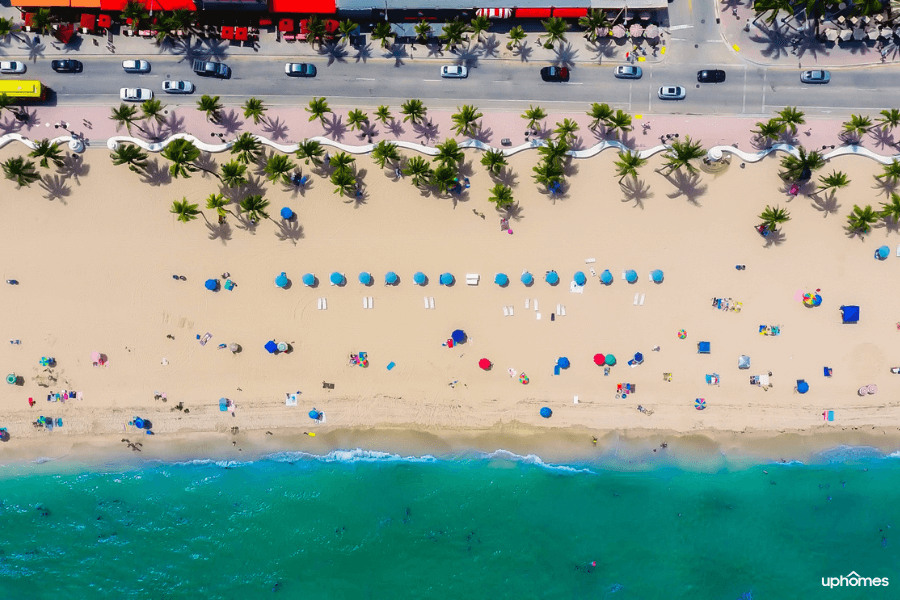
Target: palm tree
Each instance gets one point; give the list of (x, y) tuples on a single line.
[(164, 28), (184, 211), (414, 110), (890, 171), (342, 162), (555, 29), (773, 7), (315, 30), (479, 25), (40, 21), (791, 117), (449, 153), (861, 219), (466, 120), (254, 108), (799, 168), (126, 115), (310, 150), (515, 35), (454, 33), (153, 109), (9, 104), (419, 169), (346, 29), (20, 170), (135, 11), (857, 126), (233, 173), (218, 203), (385, 151), (279, 167), (423, 31), (565, 131), (131, 155), (444, 178), (555, 152), (889, 119), (533, 115), (593, 21), (621, 121), (317, 109), (773, 217), (211, 106), (8, 29), (255, 206), (548, 173), (628, 164), (344, 182), (680, 154), (382, 31), (357, 119), (48, 152), (494, 161), (182, 153), (600, 113), (501, 196), (383, 114), (247, 147), (836, 180), (183, 20), (769, 130), (891, 210)]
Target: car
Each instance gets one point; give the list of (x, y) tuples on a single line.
[(628, 72), (171, 86), (671, 92), (66, 65), (12, 66), (300, 70), (208, 68), (135, 94), (817, 76), (711, 76), (555, 74), (454, 72), (136, 66)]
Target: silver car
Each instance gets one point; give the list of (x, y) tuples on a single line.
[(817, 76), (12, 66), (628, 72), (136, 66), (454, 72), (170, 86), (135, 94), (671, 92)]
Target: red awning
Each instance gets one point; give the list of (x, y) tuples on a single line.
[(88, 21), (285, 25), (104, 21), (302, 6), (570, 13), (263, 22), (28, 18), (331, 26), (148, 4), (227, 33), (240, 33), (532, 13), (65, 33)]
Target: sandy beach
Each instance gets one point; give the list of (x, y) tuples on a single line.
[(95, 269)]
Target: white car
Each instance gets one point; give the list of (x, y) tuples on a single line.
[(12, 66), (454, 72), (135, 94), (136, 66), (628, 72), (671, 92), (177, 87)]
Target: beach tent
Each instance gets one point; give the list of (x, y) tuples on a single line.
[(223, 404), (610, 360), (391, 278), (446, 279), (309, 280), (802, 386), (563, 362), (546, 412), (630, 275), (703, 347), (580, 279), (501, 279), (850, 314), (419, 278), (337, 278), (287, 213), (485, 364), (599, 360), (882, 253), (744, 362), (212, 285), (365, 278), (606, 277), (458, 336), (656, 275), (527, 278), (271, 346), (282, 280), (552, 277)]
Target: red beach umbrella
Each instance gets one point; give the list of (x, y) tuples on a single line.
[(599, 360), (484, 364)]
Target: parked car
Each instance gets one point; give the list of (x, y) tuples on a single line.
[(66, 65), (711, 76), (300, 70), (454, 71), (628, 72), (171, 86), (136, 66), (210, 68), (671, 92), (817, 76), (555, 74), (135, 94), (12, 66)]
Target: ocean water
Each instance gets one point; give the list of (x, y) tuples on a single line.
[(360, 524)]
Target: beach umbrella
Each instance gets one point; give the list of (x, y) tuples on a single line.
[(552, 277), (802, 386), (95, 357), (4, 436), (599, 360), (636, 30), (282, 280), (638, 357), (446, 279), (831, 34), (859, 34), (817, 300), (546, 412), (580, 279), (336, 278), (501, 279), (656, 275), (606, 277), (458, 336), (211, 284), (391, 278), (287, 213), (485, 364), (419, 278), (630, 275), (610, 359), (883, 252), (563, 362), (271, 346), (365, 278), (314, 414), (873, 34), (45, 362), (282, 346), (651, 32), (309, 280), (233, 347), (527, 278), (618, 31), (12, 379), (845, 34)]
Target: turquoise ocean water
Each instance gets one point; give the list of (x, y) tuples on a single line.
[(360, 524)]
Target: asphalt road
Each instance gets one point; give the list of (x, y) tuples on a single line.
[(748, 90)]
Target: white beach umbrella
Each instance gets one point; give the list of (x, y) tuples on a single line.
[(636, 30), (873, 34), (651, 32), (887, 33), (831, 34), (858, 34), (845, 34), (618, 31)]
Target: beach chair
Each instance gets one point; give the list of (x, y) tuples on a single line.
[(431, 303), (511, 311), (557, 309), (562, 310), (667, 377), (712, 379), (535, 305), (371, 303), (636, 298), (641, 303), (426, 302), (703, 348), (472, 278), (589, 261), (827, 371), (593, 272), (505, 311), (527, 301)]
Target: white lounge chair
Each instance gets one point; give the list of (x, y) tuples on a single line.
[(538, 315), (511, 311), (505, 311), (641, 303), (588, 261), (636, 298), (426, 302), (562, 310), (371, 303), (527, 302), (557, 309), (431, 303), (472, 278), (535, 305)]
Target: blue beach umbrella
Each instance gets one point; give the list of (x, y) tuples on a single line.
[(527, 278), (883, 252), (287, 213), (802, 386), (501, 279), (271, 346), (337, 278), (391, 278), (139, 423), (580, 279), (314, 414), (309, 280), (610, 360), (419, 278), (552, 277), (446, 279), (282, 280), (630, 275), (563, 362), (546, 412), (458, 336), (638, 357), (212, 284), (606, 277), (365, 278), (656, 275)]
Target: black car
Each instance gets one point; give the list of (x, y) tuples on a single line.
[(66, 65), (711, 76), (555, 74)]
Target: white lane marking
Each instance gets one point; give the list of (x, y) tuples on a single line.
[(432, 80), (677, 27), (365, 79), (744, 102), (500, 81), (765, 85)]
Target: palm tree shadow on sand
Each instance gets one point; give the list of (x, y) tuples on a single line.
[(686, 184), (290, 231), (156, 174), (885, 186), (775, 238), (56, 188), (513, 212), (507, 177), (74, 167), (635, 190), (827, 205), (219, 231)]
